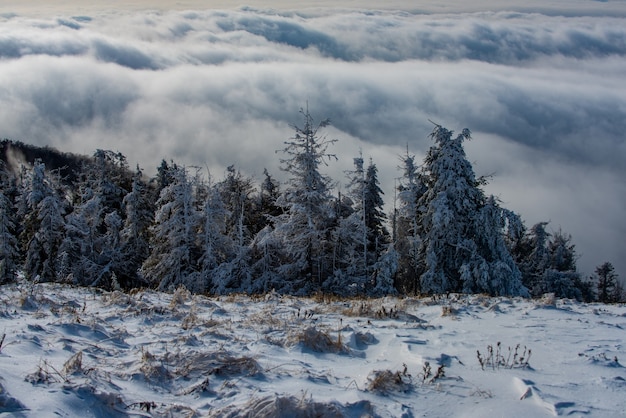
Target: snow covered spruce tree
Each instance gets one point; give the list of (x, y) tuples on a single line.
[(360, 237), (9, 252), (90, 253), (462, 243), (174, 252), (375, 218), (45, 224), (134, 235), (349, 237), (235, 192), (548, 264), (607, 284), (407, 227), (304, 228), (266, 254)]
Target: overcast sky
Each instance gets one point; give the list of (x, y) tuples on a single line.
[(540, 86)]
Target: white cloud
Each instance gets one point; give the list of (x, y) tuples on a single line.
[(543, 95)]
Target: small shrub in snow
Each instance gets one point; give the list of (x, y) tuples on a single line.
[(426, 375), (117, 297), (179, 297), (448, 310), (318, 341), (548, 300), (152, 368), (74, 364), (386, 381), (46, 373), (511, 359)]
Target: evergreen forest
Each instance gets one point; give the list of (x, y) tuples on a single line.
[(94, 221)]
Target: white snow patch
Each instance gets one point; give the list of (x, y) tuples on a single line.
[(84, 352)]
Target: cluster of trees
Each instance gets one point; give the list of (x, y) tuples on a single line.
[(105, 225)]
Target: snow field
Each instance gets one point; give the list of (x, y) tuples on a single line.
[(85, 352)]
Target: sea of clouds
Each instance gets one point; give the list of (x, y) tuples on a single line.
[(542, 92)]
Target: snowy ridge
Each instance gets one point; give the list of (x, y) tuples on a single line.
[(85, 352)]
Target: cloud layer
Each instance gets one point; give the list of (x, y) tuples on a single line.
[(543, 95)]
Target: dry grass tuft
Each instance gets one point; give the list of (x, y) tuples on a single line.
[(548, 300), (449, 310), (119, 298), (179, 297), (74, 364), (386, 381), (318, 341)]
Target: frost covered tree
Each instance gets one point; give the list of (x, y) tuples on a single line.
[(264, 207), (607, 283), (360, 236), (267, 258), (548, 264), (462, 244), (236, 191), (304, 228), (47, 224), (492, 269), (375, 218), (408, 227), (531, 254), (349, 237), (90, 254), (173, 259), (9, 252), (134, 236)]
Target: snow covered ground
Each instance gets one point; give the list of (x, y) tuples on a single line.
[(85, 352)]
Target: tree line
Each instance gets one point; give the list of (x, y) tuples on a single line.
[(98, 223)]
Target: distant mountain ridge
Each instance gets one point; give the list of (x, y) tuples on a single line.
[(16, 153)]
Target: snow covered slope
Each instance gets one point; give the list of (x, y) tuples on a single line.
[(84, 352)]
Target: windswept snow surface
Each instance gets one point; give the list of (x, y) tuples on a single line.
[(85, 352)]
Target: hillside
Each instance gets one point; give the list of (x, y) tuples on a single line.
[(70, 351)]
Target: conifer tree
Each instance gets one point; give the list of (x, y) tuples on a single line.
[(548, 264), (408, 227), (91, 254), (9, 253), (378, 237), (46, 224), (463, 230), (349, 236), (135, 232), (304, 228), (173, 257), (607, 283)]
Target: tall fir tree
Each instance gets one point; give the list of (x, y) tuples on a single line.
[(134, 235), (607, 284), (378, 237), (349, 236), (174, 252), (9, 252), (90, 252), (548, 264), (46, 224), (217, 246), (463, 238), (408, 227), (304, 228)]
